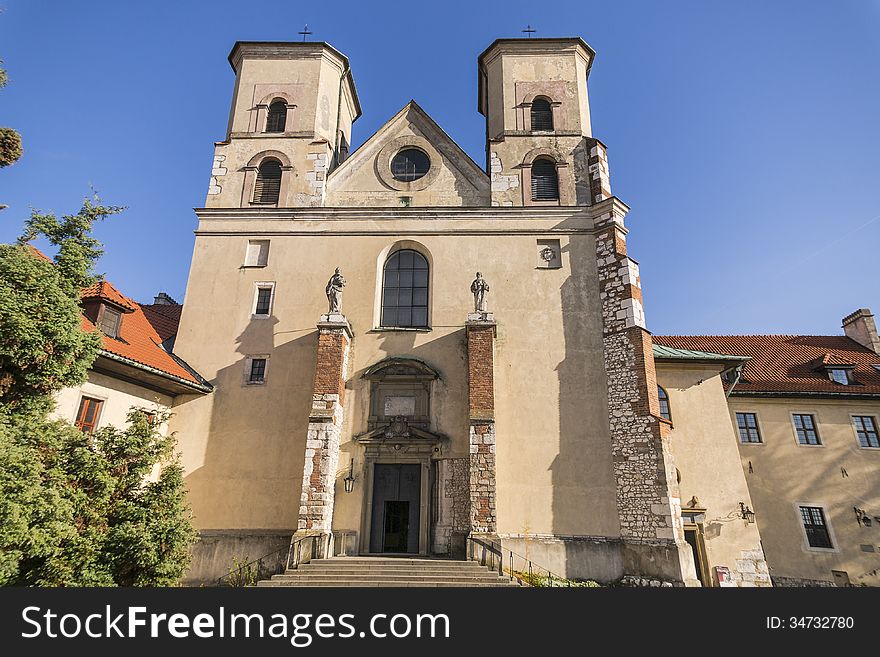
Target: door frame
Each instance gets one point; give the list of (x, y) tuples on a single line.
[(412, 453)]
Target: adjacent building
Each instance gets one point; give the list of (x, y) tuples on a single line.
[(135, 368), (804, 413)]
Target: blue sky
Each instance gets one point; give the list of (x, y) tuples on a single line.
[(744, 135)]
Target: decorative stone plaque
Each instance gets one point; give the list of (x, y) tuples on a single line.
[(405, 406)]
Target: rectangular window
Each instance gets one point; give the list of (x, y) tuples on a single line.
[(840, 376), (747, 423), (258, 371), (805, 428), (866, 430), (263, 299), (257, 253), (110, 322), (813, 518), (88, 414)]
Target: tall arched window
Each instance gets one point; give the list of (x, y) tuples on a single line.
[(268, 185), (545, 182), (405, 290), (277, 118), (542, 115), (664, 404)]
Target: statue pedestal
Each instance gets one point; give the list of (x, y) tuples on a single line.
[(481, 316), (335, 321)]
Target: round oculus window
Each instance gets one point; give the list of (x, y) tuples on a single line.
[(410, 164)]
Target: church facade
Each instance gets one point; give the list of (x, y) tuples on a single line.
[(409, 350)]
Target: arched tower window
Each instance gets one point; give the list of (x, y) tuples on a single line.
[(545, 181), (542, 115), (664, 404), (268, 186), (277, 118), (405, 290)]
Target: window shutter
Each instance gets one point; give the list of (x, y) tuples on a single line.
[(545, 183), (268, 186), (277, 118), (542, 115)]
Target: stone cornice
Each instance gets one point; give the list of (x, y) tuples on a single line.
[(407, 221)]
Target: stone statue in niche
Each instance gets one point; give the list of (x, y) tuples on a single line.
[(334, 292), (480, 289)]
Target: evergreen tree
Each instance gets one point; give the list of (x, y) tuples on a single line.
[(75, 509)]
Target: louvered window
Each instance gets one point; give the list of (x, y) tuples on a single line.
[(542, 115), (545, 183), (277, 118), (268, 185)]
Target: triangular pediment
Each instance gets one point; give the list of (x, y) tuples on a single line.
[(366, 178)]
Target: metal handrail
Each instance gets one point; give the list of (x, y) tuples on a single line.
[(529, 577), (236, 576), (293, 557)]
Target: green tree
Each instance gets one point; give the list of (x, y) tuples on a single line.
[(42, 346), (75, 510), (10, 140)]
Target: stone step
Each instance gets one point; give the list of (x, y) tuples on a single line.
[(403, 561), (420, 583), (378, 570), (388, 566), (399, 577), (388, 572)]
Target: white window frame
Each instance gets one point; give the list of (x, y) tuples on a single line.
[(815, 417), (257, 261), (248, 363), (852, 423), (263, 285), (757, 415), (809, 548)]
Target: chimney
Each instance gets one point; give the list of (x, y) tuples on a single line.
[(163, 299), (860, 327)]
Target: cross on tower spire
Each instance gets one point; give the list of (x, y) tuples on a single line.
[(529, 30), (305, 32)]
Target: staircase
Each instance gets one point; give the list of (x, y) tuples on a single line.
[(388, 572)]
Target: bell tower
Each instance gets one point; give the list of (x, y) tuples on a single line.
[(290, 124), (540, 150)]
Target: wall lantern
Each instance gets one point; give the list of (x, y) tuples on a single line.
[(349, 480), (746, 513)]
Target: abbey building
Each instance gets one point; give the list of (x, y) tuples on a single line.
[(361, 382)]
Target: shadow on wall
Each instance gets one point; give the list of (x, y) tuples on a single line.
[(448, 413), (246, 493), (775, 489), (584, 488)]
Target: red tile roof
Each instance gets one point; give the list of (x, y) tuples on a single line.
[(164, 317), (105, 291), (141, 334), (787, 364), (142, 330)]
